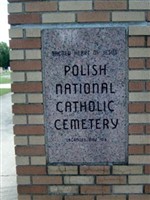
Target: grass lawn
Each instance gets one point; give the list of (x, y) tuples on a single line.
[(5, 77), (4, 91)]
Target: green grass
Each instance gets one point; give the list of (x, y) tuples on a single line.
[(5, 77), (4, 91)]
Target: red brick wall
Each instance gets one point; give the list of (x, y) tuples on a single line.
[(39, 181)]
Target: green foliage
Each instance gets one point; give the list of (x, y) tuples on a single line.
[(4, 55)]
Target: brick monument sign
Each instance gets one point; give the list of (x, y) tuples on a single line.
[(81, 98)]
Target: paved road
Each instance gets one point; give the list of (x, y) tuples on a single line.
[(5, 86), (7, 157)]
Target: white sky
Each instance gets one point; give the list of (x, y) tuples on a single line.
[(4, 36)]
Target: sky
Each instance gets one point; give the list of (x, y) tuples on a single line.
[(4, 27)]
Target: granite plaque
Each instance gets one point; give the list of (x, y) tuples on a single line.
[(85, 95)]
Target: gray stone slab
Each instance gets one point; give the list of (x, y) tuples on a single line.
[(85, 95)]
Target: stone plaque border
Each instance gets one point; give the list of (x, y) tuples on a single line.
[(126, 99)]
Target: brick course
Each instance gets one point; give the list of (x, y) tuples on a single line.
[(31, 189), (41, 7), (29, 130), (95, 189), (47, 197), (24, 19), (26, 87), (94, 170), (136, 149), (136, 63), (111, 5), (82, 197), (136, 41), (47, 180), (28, 65), (136, 107), (36, 150), (111, 180), (25, 43), (28, 109), (31, 170), (93, 17), (136, 129), (136, 86), (21, 0)]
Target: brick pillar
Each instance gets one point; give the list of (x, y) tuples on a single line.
[(36, 179)]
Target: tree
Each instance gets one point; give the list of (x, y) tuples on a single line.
[(4, 55)]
